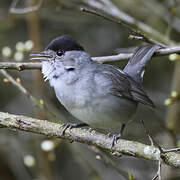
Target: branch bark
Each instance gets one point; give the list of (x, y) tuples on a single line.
[(87, 136), (102, 59), (19, 65)]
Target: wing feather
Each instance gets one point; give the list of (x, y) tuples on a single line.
[(124, 86)]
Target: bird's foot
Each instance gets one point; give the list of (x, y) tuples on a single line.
[(72, 125), (115, 138)]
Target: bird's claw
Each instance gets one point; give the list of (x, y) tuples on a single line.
[(115, 138), (71, 125)]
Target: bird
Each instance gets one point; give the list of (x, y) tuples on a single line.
[(100, 95)]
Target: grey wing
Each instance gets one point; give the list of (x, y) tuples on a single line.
[(124, 86)]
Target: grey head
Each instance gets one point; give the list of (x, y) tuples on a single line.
[(62, 54)]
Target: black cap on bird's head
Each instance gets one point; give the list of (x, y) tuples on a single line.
[(62, 43)]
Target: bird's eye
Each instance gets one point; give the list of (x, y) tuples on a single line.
[(60, 52)]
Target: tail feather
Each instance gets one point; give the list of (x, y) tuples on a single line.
[(136, 65)]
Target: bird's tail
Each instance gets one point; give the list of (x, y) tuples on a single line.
[(136, 65)]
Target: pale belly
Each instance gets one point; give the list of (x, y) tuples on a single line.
[(106, 114), (102, 112)]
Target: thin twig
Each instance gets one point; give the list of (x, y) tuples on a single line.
[(155, 177), (35, 102), (152, 140), (163, 125), (171, 150), (159, 168), (154, 143), (20, 66), (147, 133), (108, 8), (138, 33), (91, 11), (162, 152), (148, 40), (158, 174)]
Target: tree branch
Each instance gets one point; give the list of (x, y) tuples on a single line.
[(102, 59), (19, 65), (37, 103), (139, 34), (109, 9), (87, 136)]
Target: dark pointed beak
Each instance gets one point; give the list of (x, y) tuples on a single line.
[(42, 56)]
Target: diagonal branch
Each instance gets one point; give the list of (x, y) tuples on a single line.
[(37, 103), (108, 8), (87, 136), (136, 32)]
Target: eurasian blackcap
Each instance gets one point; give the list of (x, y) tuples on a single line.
[(100, 95)]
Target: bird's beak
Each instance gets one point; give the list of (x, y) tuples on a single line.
[(42, 56)]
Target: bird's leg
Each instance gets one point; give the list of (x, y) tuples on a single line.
[(122, 129), (118, 136), (72, 125)]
